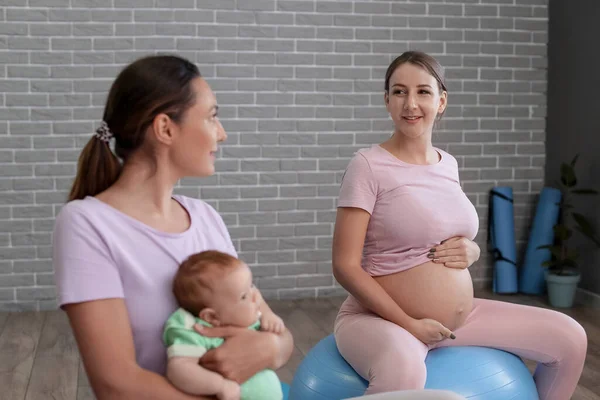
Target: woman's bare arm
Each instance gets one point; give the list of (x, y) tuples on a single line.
[(284, 345), (348, 241), (237, 358), (188, 376), (105, 341)]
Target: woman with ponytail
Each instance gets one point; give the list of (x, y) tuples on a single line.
[(120, 238)]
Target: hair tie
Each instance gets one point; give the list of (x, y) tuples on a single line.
[(103, 133)]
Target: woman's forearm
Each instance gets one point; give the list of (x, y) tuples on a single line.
[(371, 295), (142, 384), (284, 345), (186, 375)]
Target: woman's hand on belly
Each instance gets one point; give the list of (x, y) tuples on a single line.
[(456, 252)]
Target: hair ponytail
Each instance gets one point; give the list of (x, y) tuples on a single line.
[(97, 169)]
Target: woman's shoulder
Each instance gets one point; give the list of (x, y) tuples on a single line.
[(79, 210), (365, 156), (368, 153)]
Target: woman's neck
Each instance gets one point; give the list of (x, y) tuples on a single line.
[(412, 150), (143, 187)]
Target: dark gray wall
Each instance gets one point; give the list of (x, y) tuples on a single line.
[(574, 110)]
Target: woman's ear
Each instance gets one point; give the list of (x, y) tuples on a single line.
[(443, 102), (163, 127), (209, 315), (386, 100)]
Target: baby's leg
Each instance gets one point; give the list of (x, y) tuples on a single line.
[(556, 341), (380, 351)]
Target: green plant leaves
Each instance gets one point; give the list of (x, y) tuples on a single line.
[(574, 160), (584, 191), (564, 257), (567, 175), (584, 226), (549, 263), (562, 232)]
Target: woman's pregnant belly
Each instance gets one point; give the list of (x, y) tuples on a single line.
[(432, 291)]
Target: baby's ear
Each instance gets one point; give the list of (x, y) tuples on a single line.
[(209, 315)]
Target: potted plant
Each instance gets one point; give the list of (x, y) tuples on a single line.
[(563, 273)]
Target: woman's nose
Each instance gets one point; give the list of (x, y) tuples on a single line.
[(221, 134), (411, 102)]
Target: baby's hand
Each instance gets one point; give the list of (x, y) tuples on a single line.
[(271, 323), (230, 391)]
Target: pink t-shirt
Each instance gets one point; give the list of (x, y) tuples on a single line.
[(100, 252), (412, 207)]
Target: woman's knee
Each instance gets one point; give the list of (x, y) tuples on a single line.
[(570, 338), (396, 371), (577, 337), (387, 368)]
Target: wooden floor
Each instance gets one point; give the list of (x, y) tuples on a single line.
[(39, 358)]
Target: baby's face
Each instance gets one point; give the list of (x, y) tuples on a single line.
[(235, 300)]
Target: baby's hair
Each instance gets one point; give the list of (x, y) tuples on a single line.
[(195, 280)]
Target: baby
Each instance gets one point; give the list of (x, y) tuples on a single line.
[(215, 289)]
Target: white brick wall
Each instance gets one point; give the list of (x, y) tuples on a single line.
[(300, 85)]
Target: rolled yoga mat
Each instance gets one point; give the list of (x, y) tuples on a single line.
[(532, 279), (501, 239)]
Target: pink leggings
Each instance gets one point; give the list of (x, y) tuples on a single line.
[(556, 341)]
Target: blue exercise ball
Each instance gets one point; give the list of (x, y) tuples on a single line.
[(285, 388), (478, 373)]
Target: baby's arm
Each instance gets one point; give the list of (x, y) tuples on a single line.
[(185, 374), (262, 304), (269, 321)]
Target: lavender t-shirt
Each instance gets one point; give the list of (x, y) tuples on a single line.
[(100, 253)]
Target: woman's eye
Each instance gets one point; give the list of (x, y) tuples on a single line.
[(425, 92)]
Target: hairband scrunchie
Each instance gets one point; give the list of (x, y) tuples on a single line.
[(103, 133)]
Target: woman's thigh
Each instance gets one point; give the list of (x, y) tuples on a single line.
[(383, 353), (534, 333)]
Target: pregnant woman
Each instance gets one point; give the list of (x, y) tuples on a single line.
[(402, 246)]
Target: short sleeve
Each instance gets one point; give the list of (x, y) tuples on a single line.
[(181, 339), (358, 188), (83, 267)]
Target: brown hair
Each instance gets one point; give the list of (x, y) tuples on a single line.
[(195, 280), (420, 59), (147, 87)]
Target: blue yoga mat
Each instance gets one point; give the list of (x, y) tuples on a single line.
[(532, 279), (501, 238)]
